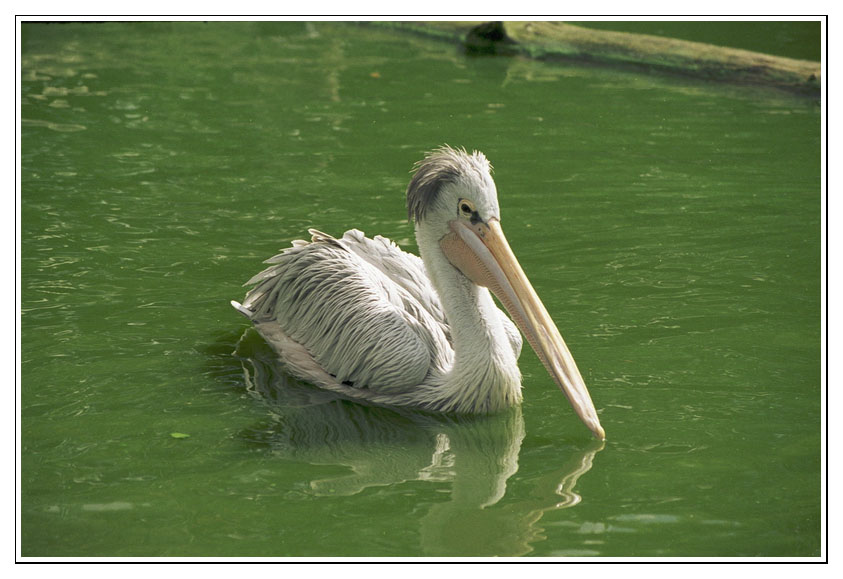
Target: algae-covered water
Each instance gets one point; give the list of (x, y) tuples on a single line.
[(671, 227)]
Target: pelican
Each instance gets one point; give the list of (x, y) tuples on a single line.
[(362, 318)]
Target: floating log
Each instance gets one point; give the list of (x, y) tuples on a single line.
[(563, 41)]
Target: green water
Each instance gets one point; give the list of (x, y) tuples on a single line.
[(792, 39), (672, 229)]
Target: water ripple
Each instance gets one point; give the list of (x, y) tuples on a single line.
[(58, 127)]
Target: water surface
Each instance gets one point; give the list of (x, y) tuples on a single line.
[(671, 227), (792, 39)]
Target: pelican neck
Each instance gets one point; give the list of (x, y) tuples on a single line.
[(484, 376)]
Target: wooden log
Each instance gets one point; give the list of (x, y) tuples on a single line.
[(563, 41)]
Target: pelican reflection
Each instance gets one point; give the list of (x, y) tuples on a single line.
[(474, 457)]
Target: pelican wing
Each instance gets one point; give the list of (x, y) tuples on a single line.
[(405, 269), (335, 301)]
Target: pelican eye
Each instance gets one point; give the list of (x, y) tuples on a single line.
[(466, 207)]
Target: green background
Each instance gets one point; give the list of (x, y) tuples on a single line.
[(671, 227)]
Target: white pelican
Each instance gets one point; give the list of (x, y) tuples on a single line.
[(361, 317)]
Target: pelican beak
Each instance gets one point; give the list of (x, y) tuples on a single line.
[(482, 253)]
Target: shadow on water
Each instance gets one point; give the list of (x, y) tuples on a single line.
[(474, 457)]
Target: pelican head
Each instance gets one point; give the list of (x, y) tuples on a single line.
[(454, 203)]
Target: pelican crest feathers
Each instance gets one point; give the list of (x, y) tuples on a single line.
[(440, 166)]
